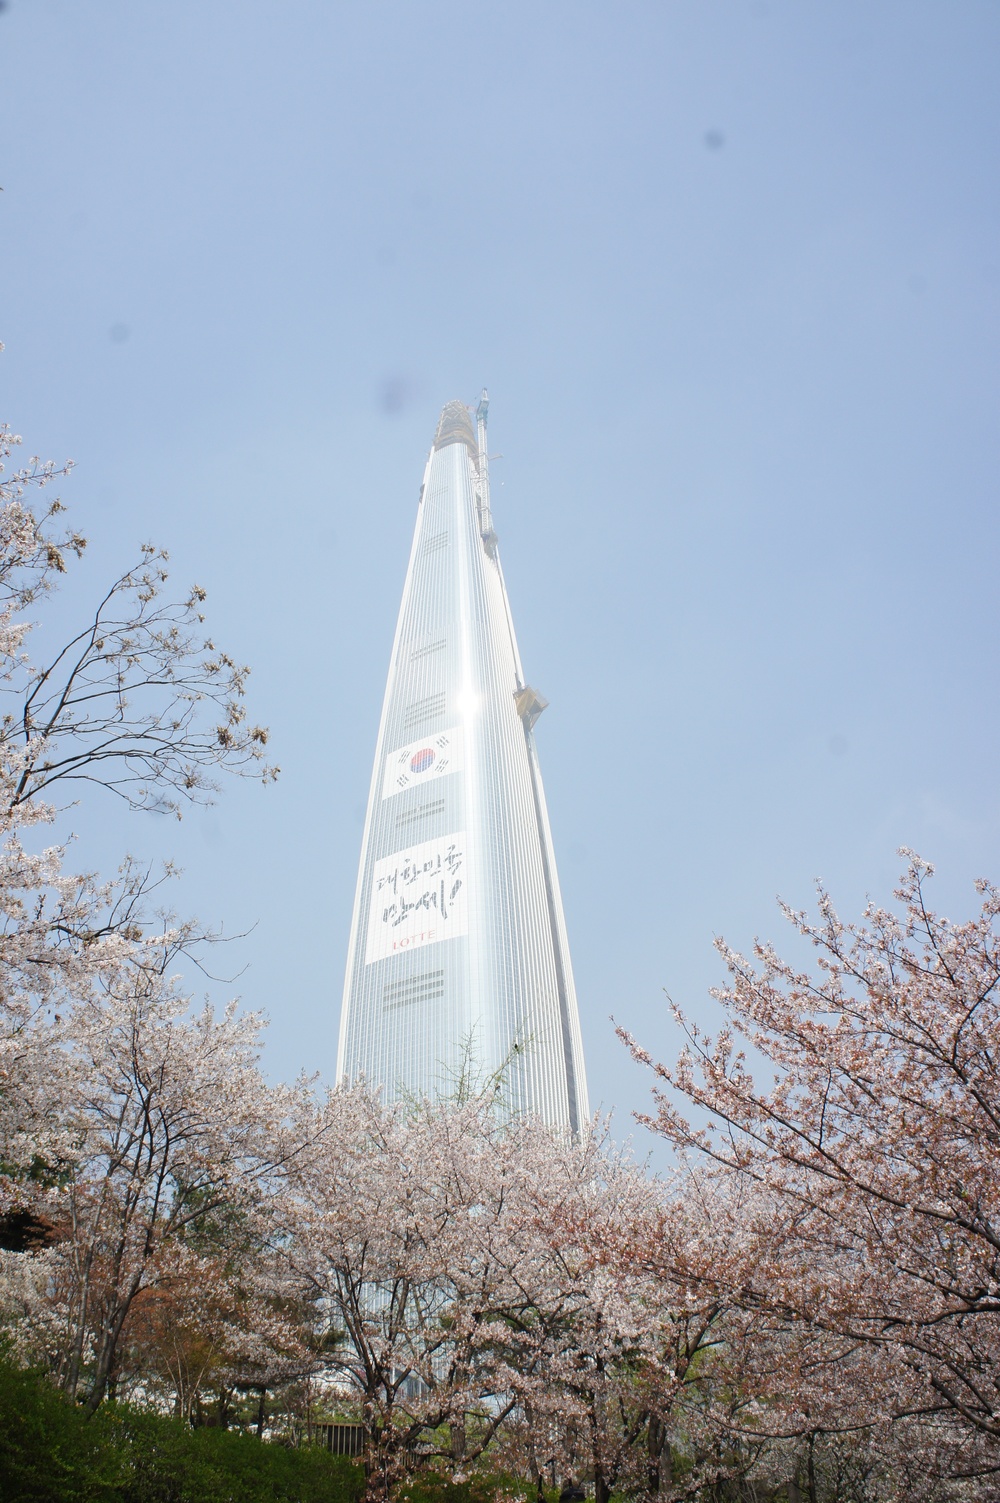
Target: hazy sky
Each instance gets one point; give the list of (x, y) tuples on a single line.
[(731, 274)]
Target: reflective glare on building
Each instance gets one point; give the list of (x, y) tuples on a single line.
[(458, 970)]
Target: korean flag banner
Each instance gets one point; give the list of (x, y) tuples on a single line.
[(423, 761)]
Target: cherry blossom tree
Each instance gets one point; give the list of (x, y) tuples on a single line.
[(398, 1219), (218, 1320), (664, 1384), (594, 1323), (171, 1126), (491, 1289), (138, 700), (123, 1117), (874, 1155)]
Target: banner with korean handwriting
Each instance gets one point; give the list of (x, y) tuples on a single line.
[(418, 897)]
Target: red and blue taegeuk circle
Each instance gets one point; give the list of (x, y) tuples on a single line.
[(422, 760)]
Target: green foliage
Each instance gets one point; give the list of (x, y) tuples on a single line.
[(164, 1461), (50, 1452)]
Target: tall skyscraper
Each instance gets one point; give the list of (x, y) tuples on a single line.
[(458, 963)]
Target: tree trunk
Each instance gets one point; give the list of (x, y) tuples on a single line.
[(107, 1356), (261, 1412), (383, 1468), (72, 1380), (458, 1440), (656, 1443)]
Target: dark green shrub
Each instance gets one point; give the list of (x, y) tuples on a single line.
[(163, 1461), (50, 1452)]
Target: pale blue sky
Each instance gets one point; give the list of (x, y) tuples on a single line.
[(731, 274)]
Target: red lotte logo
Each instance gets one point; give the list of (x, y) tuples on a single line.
[(408, 941), (422, 760)]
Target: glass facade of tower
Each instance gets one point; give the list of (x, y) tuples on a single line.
[(458, 963)]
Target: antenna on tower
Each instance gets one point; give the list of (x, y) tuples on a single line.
[(485, 517)]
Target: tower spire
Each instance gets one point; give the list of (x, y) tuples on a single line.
[(486, 531)]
